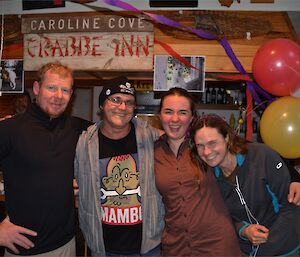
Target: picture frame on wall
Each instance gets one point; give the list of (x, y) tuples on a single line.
[(170, 72), (11, 76), (33, 4)]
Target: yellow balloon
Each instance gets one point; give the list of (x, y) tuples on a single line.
[(280, 126)]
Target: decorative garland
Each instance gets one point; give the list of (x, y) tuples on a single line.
[(252, 87)]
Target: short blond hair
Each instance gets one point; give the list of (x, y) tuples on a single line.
[(54, 67)]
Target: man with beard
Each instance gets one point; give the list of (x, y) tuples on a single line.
[(37, 151)]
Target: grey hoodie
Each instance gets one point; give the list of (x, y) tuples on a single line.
[(86, 173)]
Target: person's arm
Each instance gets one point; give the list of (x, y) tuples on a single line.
[(255, 233), (12, 235), (5, 144), (277, 185), (294, 189), (294, 193), (295, 176)]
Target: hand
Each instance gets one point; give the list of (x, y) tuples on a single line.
[(257, 234), (11, 235), (294, 194), (6, 117)]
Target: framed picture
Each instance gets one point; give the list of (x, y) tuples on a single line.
[(33, 4), (11, 76), (170, 72)]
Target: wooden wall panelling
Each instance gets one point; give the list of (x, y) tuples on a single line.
[(217, 60), (262, 1), (13, 38), (6, 107)]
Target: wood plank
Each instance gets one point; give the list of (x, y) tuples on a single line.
[(6, 106), (217, 59), (245, 50), (90, 50), (262, 1), (84, 23)]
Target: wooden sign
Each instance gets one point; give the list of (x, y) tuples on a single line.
[(90, 51), (103, 23), (103, 42)]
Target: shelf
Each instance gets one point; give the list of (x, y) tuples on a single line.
[(153, 109), (218, 106)]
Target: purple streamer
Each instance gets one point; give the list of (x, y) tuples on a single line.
[(261, 91), (164, 20), (254, 94), (232, 56), (203, 34), (252, 86)]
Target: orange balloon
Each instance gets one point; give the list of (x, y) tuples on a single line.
[(280, 126)]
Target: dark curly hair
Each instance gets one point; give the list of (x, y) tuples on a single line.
[(236, 144)]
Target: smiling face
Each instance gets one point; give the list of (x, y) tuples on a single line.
[(211, 146), (53, 93), (117, 116), (176, 116)]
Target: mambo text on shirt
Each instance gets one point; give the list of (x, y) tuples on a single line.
[(121, 216)]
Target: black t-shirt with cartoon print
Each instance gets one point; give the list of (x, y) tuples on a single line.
[(120, 194)]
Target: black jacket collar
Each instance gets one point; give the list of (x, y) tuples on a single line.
[(44, 118)]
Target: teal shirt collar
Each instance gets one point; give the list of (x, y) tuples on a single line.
[(240, 158)]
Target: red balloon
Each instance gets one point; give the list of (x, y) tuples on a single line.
[(276, 67)]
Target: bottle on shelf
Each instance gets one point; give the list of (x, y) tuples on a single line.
[(230, 96), (241, 123), (220, 93), (207, 95), (213, 96), (243, 94), (225, 99), (232, 121), (239, 98), (235, 97), (244, 99), (254, 125)]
